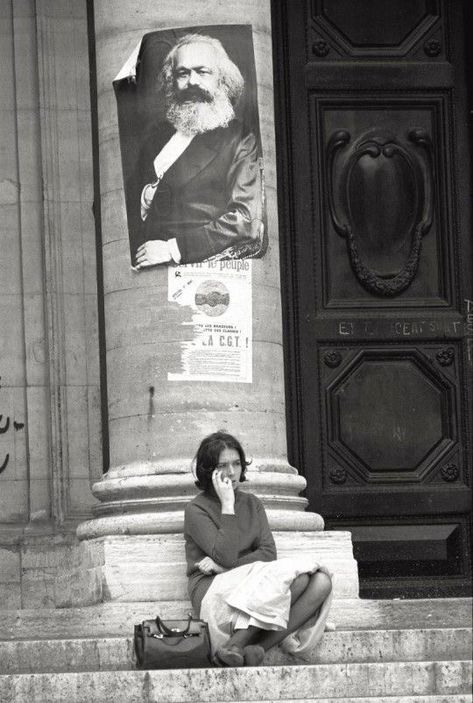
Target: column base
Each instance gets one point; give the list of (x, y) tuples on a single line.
[(145, 499), (152, 568)]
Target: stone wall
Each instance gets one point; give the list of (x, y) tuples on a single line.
[(50, 423)]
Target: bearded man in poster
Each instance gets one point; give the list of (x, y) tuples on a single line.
[(201, 192)]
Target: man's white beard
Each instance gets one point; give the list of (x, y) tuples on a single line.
[(198, 117)]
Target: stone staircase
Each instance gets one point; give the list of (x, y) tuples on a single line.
[(386, 651)]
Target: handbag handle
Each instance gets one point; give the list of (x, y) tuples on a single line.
[(165, 630)]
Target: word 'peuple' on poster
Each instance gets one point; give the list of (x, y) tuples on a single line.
[(191, 147)]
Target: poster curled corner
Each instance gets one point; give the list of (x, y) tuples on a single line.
[(128, 70)]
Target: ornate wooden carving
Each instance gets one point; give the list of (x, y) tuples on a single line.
[(332, 358), (320, 47), (446, 356), (338, 475), (433, 47), (449, 473), (397, 171)]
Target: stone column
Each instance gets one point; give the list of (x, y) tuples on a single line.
[(156, 425)]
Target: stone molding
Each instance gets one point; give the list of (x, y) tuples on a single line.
[(145, 505), (66, 151), (54, 302)]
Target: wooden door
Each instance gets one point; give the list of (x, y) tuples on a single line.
[(375, 222)]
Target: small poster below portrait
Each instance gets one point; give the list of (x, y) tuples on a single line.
[(219, 294), (191, 148)]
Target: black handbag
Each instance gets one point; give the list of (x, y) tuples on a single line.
[(172, 644)]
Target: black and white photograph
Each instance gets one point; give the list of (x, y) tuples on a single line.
[(236, 351)]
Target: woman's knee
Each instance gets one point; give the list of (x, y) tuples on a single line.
[(299, 585), (321, 584)]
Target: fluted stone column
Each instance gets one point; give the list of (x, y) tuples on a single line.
[(155, 425)]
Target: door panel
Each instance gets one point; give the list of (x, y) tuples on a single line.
[(375, 28), (387, 209), (376, 254)]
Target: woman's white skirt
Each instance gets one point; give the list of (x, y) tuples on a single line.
[(259, 594)]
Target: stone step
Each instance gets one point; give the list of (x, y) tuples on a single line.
[(117, 619), (357, 646), (352, 646), (282, 683), (403, 699)]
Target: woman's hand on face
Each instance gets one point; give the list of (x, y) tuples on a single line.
[(224, 490), (208, 566)]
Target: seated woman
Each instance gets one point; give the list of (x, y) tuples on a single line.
[(235, 582)]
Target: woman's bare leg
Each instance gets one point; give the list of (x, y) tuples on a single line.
[(241, 638), (308, 602), (298, 587), (252, 634), (308, 592)]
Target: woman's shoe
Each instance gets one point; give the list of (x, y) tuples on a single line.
[(229, 656), (254, 654)]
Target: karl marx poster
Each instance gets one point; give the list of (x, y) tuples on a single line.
[(191, 148)]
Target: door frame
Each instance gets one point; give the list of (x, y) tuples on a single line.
[(290, 322)]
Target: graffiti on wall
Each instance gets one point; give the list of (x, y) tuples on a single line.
[(4, 428)]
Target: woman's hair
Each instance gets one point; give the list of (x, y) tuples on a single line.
[(208, 454)]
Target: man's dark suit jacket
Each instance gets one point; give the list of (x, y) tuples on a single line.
[(211, 197)]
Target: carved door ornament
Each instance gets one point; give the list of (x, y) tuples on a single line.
[(446, 356), (433, 47), (381, 199), (338, 475), (320, 48), (332, 358), (449, 472)]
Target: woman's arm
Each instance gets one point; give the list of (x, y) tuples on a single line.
[(208, 566), (222, 543), (265, 547)]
